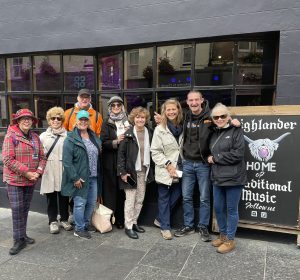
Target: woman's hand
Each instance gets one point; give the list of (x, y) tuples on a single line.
[(172, 171), (210, 160), (32, 176), (78, 183), (120, 138), (124, 177)]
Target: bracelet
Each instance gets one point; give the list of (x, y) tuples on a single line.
[(167, 163)]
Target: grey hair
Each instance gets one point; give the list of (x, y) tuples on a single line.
[(220, 106)]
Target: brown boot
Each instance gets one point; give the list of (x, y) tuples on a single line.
[(219, 241), (226, 247)]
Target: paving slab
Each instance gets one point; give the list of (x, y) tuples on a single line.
[(246, 262), (15, 270), (168, 257)]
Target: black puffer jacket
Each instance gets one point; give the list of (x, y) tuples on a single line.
[(228, 147), (127, 155)]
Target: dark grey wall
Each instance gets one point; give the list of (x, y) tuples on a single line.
[(43, 25)]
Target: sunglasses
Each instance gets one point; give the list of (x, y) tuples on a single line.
[(56, 118), (83, 119), (118, 105), (222, 117)]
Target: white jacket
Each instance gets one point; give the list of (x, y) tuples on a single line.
[(51, 179), (164, 147)]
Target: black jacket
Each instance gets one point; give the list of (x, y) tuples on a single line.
[(228, 147), (196, 140), (127, 155)]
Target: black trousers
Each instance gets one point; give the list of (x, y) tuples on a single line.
[(56, 203), (113, 197)]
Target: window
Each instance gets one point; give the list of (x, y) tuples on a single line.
[(78, 72), (2, 74), (138, 70), (171, 72), (187, 55), (18, 73), (244, 46), (110, 72), (46, 73)]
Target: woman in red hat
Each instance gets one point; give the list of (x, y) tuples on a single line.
[(24, 162)]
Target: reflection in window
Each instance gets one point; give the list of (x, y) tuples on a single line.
[(110, 72), (133, 100), (2, 74), (172, 69), (78, 72), (138, 68), (254, 97), (215, 96), (16, 102), (3, 112), (213, 64), (69, 101), (162, 96), (18, 73), (46, 73), (42, 104)]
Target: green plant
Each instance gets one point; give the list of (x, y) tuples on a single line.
[(165, 67), (148, 73), (255, 58)]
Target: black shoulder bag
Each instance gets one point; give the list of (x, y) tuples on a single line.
[(52, 147)]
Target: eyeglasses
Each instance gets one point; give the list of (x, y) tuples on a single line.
[(222, 117), (56, 118), (116, 105), (26, 119)]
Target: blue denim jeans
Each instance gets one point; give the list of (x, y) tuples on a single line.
[(226, 204), (196, 172), (83, 208), (167, 199)]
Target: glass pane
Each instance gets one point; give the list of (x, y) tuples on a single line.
[(179, 95), (213, 64), (103, 99), (215, 96), (42, 104), (17, 102), (18, 73), (138, 71), (2, 74), (78, 72), (254, 97), (3, 113), (110, 72), (2, 135), (174, 66), (46, 73), (69, 101), (256, 65)]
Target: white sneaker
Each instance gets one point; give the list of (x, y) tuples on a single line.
[(156, 223), (54, 228), (166, 234), (66, 225)]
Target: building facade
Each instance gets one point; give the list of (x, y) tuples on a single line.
[(240, 53)]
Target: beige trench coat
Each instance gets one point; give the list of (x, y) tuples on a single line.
[(51, 180)]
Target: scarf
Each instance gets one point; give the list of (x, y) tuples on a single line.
[(176, 130), (117, 117), (138, 166), (57, 131)]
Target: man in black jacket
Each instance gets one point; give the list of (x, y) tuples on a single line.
[(195, 151)]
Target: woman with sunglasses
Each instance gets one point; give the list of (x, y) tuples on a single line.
[(53, 139), (81, 177), (112, 134), (228, 174), (24, 162)]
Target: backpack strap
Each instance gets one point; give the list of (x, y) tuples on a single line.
[(97, 116), (71, 113)]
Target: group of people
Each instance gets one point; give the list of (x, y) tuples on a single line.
[(83, 158)]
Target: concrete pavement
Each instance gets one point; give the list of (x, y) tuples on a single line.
[(259, 255)]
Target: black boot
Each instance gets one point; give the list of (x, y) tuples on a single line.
[(137, 228), (131, 233), (18, 246), (29, 240)]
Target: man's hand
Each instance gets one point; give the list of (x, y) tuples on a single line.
[(157, 118)]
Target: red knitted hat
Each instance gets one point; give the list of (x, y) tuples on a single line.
[(23, 113)]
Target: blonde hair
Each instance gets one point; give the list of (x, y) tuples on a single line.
[(138, 111), (164, 118), (54, 111), (222, 107)]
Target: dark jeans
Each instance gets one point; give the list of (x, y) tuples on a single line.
[(53, 206), (226, 204), (19, 199), (167, 199)]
